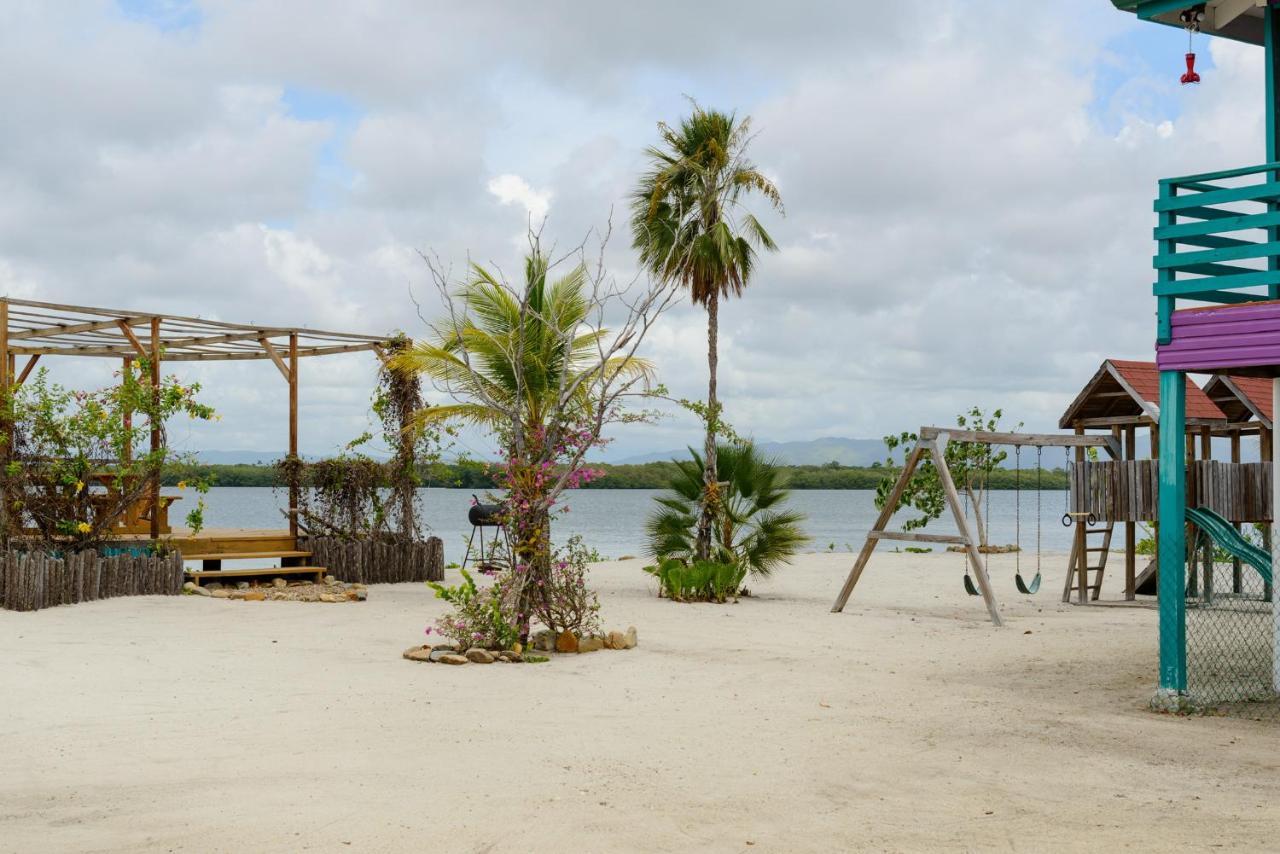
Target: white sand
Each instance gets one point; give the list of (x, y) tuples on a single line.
[(906, 723)]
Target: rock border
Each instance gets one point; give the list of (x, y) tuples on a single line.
[(543, 641)]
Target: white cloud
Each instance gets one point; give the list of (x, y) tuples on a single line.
[(514, 190), (962, 226)]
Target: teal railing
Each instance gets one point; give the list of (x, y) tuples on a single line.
[(1217, 239)]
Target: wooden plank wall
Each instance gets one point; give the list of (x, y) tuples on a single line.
[(1127, 490)]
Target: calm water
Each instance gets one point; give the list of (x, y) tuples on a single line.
[(612, 520)]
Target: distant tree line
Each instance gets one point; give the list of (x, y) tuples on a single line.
[(656, 475)]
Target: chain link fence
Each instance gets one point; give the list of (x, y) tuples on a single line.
[(1230, 633)]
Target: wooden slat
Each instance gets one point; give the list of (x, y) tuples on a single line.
[(914, 537)]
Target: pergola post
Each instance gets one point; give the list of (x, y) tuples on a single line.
[(6, 383), (155, 427), (126, 368), (294, 486)]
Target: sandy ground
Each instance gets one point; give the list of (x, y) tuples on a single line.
[(906, 723)]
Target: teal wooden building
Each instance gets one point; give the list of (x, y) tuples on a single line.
[(1217, 290)]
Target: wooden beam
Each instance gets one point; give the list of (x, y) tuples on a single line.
[(229, 338), (294, 486), (126, 416), (1131, 528), (1044, 440), (73, 328), (913, 537), (40, 350), (26, 369), (185, 356), (154, 359), (6, 425), (275, 356), (938, 447), (133, 339), (886, 513)]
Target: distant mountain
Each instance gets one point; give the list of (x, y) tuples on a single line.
[(815, 452)]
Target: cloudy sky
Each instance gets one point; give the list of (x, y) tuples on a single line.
[(968, 188)]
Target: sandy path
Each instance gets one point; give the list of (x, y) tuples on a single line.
[(907, 723)]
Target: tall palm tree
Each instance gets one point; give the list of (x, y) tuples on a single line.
[(690, 226)]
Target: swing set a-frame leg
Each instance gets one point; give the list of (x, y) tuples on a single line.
[(938, 450), (886, 513)]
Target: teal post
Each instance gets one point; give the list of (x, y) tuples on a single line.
[(1271, 41), (1165, 305), (1172, 546)]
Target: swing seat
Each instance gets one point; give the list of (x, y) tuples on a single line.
[(1023, 587), (968, 586)]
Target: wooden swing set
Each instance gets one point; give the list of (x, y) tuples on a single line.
[(933, 441)]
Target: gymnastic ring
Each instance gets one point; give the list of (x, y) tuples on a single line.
[(1067, 521)]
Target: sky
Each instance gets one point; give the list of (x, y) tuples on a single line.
[(967, 188)]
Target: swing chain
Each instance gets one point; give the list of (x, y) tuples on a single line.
[(1017, 509), (1039, 469)]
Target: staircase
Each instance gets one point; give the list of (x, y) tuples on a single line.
[(1095, 566), (292, 562)]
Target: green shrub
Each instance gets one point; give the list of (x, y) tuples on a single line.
[(699, 581)]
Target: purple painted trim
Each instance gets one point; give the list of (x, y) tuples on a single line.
[(1240, 336)]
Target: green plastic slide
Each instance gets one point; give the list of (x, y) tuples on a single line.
[(1224, 534)]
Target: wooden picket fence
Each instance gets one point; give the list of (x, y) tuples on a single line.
[(30, 581), (1128, 490), (381, 561)]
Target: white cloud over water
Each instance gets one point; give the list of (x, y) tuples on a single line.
[(968, 188)]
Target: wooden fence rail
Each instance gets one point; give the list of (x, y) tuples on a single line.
[(1127, 490), (30, 581), (383, 561)]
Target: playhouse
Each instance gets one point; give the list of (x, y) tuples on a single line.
[(1217, 290)]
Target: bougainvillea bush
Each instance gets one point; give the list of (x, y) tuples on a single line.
[(491, 616), (78, 461)]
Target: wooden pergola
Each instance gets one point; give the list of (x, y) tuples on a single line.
[(39, 329)]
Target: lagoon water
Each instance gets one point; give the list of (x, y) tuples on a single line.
[(612, 520)]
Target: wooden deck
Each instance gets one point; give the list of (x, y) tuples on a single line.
[(243, 541)]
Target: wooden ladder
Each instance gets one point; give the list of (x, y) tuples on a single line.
[(1094, 586)]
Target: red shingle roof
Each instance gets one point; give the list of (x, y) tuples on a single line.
[(1242, 398), (1125, 391), (1144, 378)]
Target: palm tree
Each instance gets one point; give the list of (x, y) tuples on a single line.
[(526, 365), (502, 357), (691, 228), (753, 532)]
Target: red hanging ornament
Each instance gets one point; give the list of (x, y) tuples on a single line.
[(1190, 76), (1192, 19)]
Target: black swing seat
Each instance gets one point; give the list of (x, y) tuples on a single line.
[(968, 586), (1023, 587)]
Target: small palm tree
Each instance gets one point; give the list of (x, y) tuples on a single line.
[(691, 228), (753, 532), (475, 359)]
